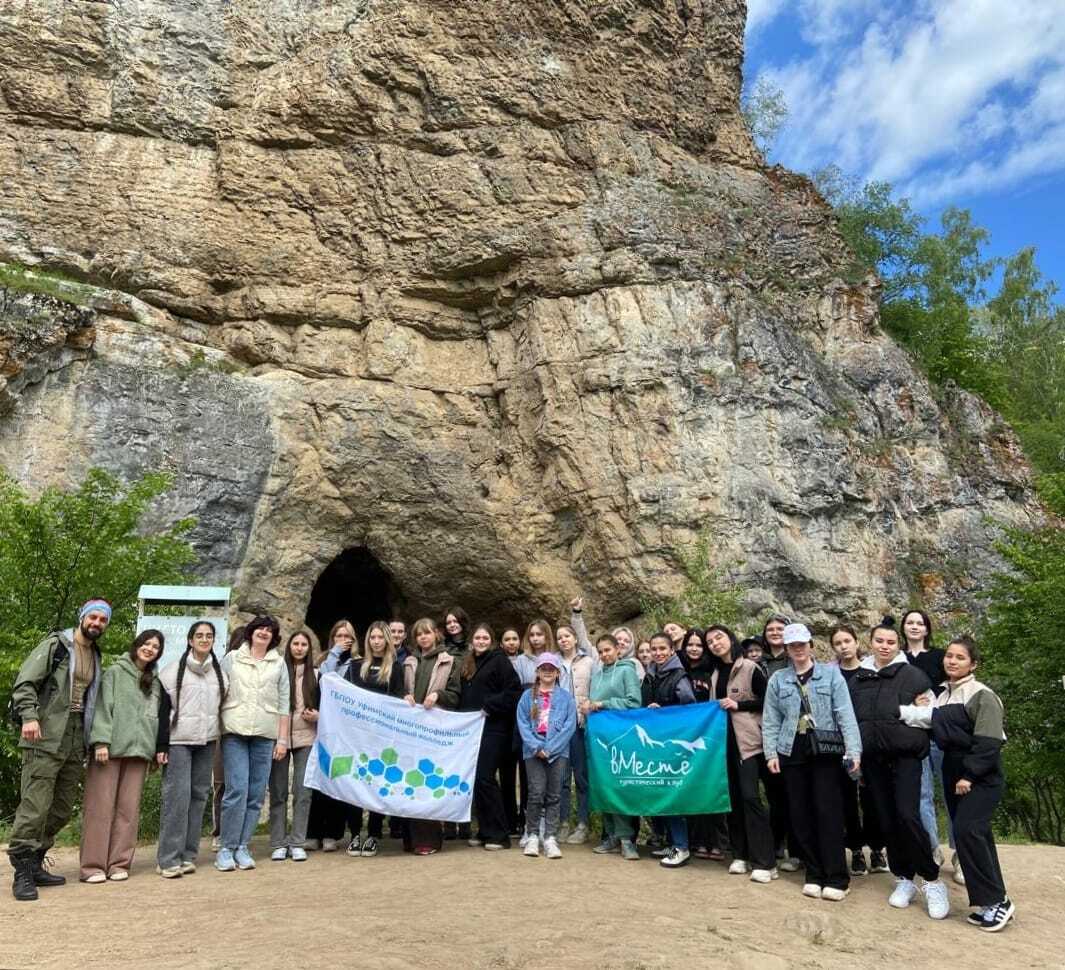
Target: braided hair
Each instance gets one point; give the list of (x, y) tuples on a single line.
[(184, 662)]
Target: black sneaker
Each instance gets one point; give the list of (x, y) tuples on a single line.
[(996, 917), (976, 918), (858, 866), (877, 862)]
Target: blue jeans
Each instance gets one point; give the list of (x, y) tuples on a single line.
[(678, 830), (931, 767), (247, 764), (577, 774)]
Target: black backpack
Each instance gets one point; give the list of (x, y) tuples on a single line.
[(58, 656)]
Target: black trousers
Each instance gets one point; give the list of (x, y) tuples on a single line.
[(815, 804), (330, 817), (777, 796), (487, 795), (508, 784), (859, 816), (748, 823), (975, 844), (895, 787)]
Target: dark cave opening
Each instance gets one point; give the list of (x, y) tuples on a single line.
[(354, 587)]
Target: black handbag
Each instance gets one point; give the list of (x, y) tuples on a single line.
[(823, 744)]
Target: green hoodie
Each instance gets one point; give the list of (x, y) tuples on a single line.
[(616, 687), (126, 721)]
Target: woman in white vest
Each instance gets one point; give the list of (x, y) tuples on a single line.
[(255, 731)]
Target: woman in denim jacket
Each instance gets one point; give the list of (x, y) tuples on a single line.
[(812, 783)]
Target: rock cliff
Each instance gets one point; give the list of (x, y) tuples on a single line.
[(497, 294)]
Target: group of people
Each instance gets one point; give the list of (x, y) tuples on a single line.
[(820, 757)]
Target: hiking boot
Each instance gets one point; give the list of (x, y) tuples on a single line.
[(877, 862), (23, 888), (937, 899), (41, 876), (629, 852), (675, 858), (903, 893), (996, 917), (858, 866), (578, 836)]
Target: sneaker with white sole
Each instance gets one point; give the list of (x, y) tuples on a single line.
[(474, 843), (243, 858), (188, 867), (563, 832), (170, 872), (738, 868), (524, 840), (551, 849), (996, 917), (606, 846), (216, 843), (578, 836), (812, 890), (675, 858), (877, 862), (532, 846), (976, 917), (280, 854), (224, 861), (765, 875), (298, 853), (903, 893), (355, 846), (833, 894), (369, 847), (329, 845), (661, 852), (937, 899), (629, 852), (937, 856), (790, 864)]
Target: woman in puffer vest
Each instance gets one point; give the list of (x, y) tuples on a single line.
[(190, 721)]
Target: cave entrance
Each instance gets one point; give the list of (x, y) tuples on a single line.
[(354, 587)]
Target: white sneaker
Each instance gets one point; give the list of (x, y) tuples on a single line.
[(524, 840), (937, 899), (532, 846), (563, 831), (833, 894), (279, 854), (937, 856), (738, 868), (578, 836), (902, 896), (790, 864), (765, 875), (551, 849), (299, 854), (676, 858), (812, 890)]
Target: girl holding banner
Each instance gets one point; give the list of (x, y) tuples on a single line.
[(739, 686), (430, 678)]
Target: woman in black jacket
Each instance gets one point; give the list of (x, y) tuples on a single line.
[(489, 683), (892, 756), (381, 672)]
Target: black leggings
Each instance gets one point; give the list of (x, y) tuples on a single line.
[(895, 788), (971, 817)]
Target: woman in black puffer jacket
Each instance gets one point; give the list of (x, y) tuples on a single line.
[(892, 756)]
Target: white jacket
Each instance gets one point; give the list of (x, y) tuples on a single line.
[(197, 708), (258, 694)]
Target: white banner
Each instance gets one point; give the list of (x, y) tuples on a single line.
[(384, 755)]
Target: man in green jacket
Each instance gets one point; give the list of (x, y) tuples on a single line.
[(54, 694)]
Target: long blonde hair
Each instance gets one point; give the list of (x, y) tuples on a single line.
[(384, 674), (549, 637)]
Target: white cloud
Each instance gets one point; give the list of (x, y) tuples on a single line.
[(942, 98), (762, 12)]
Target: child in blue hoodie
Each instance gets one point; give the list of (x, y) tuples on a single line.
[(547, 718)]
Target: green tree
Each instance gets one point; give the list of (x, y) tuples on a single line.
[(708, 595), (765, 110), (63, 547), (1025, 662)]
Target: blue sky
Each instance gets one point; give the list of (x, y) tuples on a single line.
[(955, 102)]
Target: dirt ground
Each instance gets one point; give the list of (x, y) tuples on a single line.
[(469, 908)]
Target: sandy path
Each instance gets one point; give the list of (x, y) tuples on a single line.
[(468, 908)]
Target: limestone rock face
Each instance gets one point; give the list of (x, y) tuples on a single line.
[(498, 292)]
